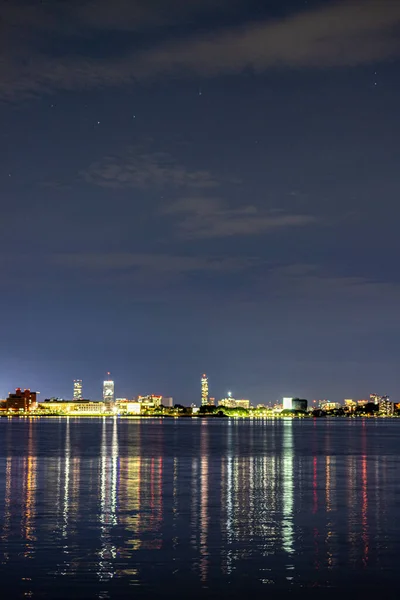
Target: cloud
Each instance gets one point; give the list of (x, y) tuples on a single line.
[(211, 218), (139, 169), (156, 263), (335, 35), (341, 34)]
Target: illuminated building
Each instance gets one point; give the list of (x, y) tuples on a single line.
[(72, 406), (350, 405), (150, 401), (386, 408), (326, 405), (376, 399), (77, 389), (233, 403), (211, 401), (294, 404), (108, 390), (21, 401), (287, 403), (204, 390), (126, 406)]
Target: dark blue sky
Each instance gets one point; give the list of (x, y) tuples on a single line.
[(194, 185)]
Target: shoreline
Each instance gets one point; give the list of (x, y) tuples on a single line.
[(208, 417)]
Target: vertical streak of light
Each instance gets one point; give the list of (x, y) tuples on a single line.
[(287, 485), (108, 502), (315, 485), (194, 518), (229, 501), (204, 503), (175, 496), (30, 493), (7, 504), (351, 503), (364, 507), (66, 481)]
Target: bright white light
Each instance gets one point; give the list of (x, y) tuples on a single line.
[(287, 403)]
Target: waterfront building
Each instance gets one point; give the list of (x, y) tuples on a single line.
[(233, 403), (299, 404), (77, 389), (150, 401), (73, 406), (386, 408), (21, 401), (125, 406), (287, 403), (204, 390), (294, 404), (108, 390), (167, 401), (376, 399), (327, 405), (350, 405)]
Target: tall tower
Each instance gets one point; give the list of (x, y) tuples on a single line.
[(108, 389), (77, 389), (204, 390)]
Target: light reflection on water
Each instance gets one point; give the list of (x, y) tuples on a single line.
[(102, 505)]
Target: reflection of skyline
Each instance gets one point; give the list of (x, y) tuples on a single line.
[(215, 508)]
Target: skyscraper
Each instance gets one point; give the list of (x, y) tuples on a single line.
[(204, 390), (108, 390), (77, 389)]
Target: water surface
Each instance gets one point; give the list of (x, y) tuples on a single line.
[(104, 508)]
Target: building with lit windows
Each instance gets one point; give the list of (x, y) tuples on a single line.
[(327, 405), (233, 403), (73, 406), (204, 390), (21, 401), (386, 408), (150, 401), (77, 389), (108, 390)]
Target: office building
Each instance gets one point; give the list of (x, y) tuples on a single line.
[(21, 401), (108, 390), (204, 390), (77, 389)]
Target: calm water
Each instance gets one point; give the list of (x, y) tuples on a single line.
[(106, 508)]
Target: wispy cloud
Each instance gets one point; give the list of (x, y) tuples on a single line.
[(156, 263), (346, 33), (211, 218), (342, 34), (140, 169)]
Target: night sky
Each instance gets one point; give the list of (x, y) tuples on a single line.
[(194, 186)]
